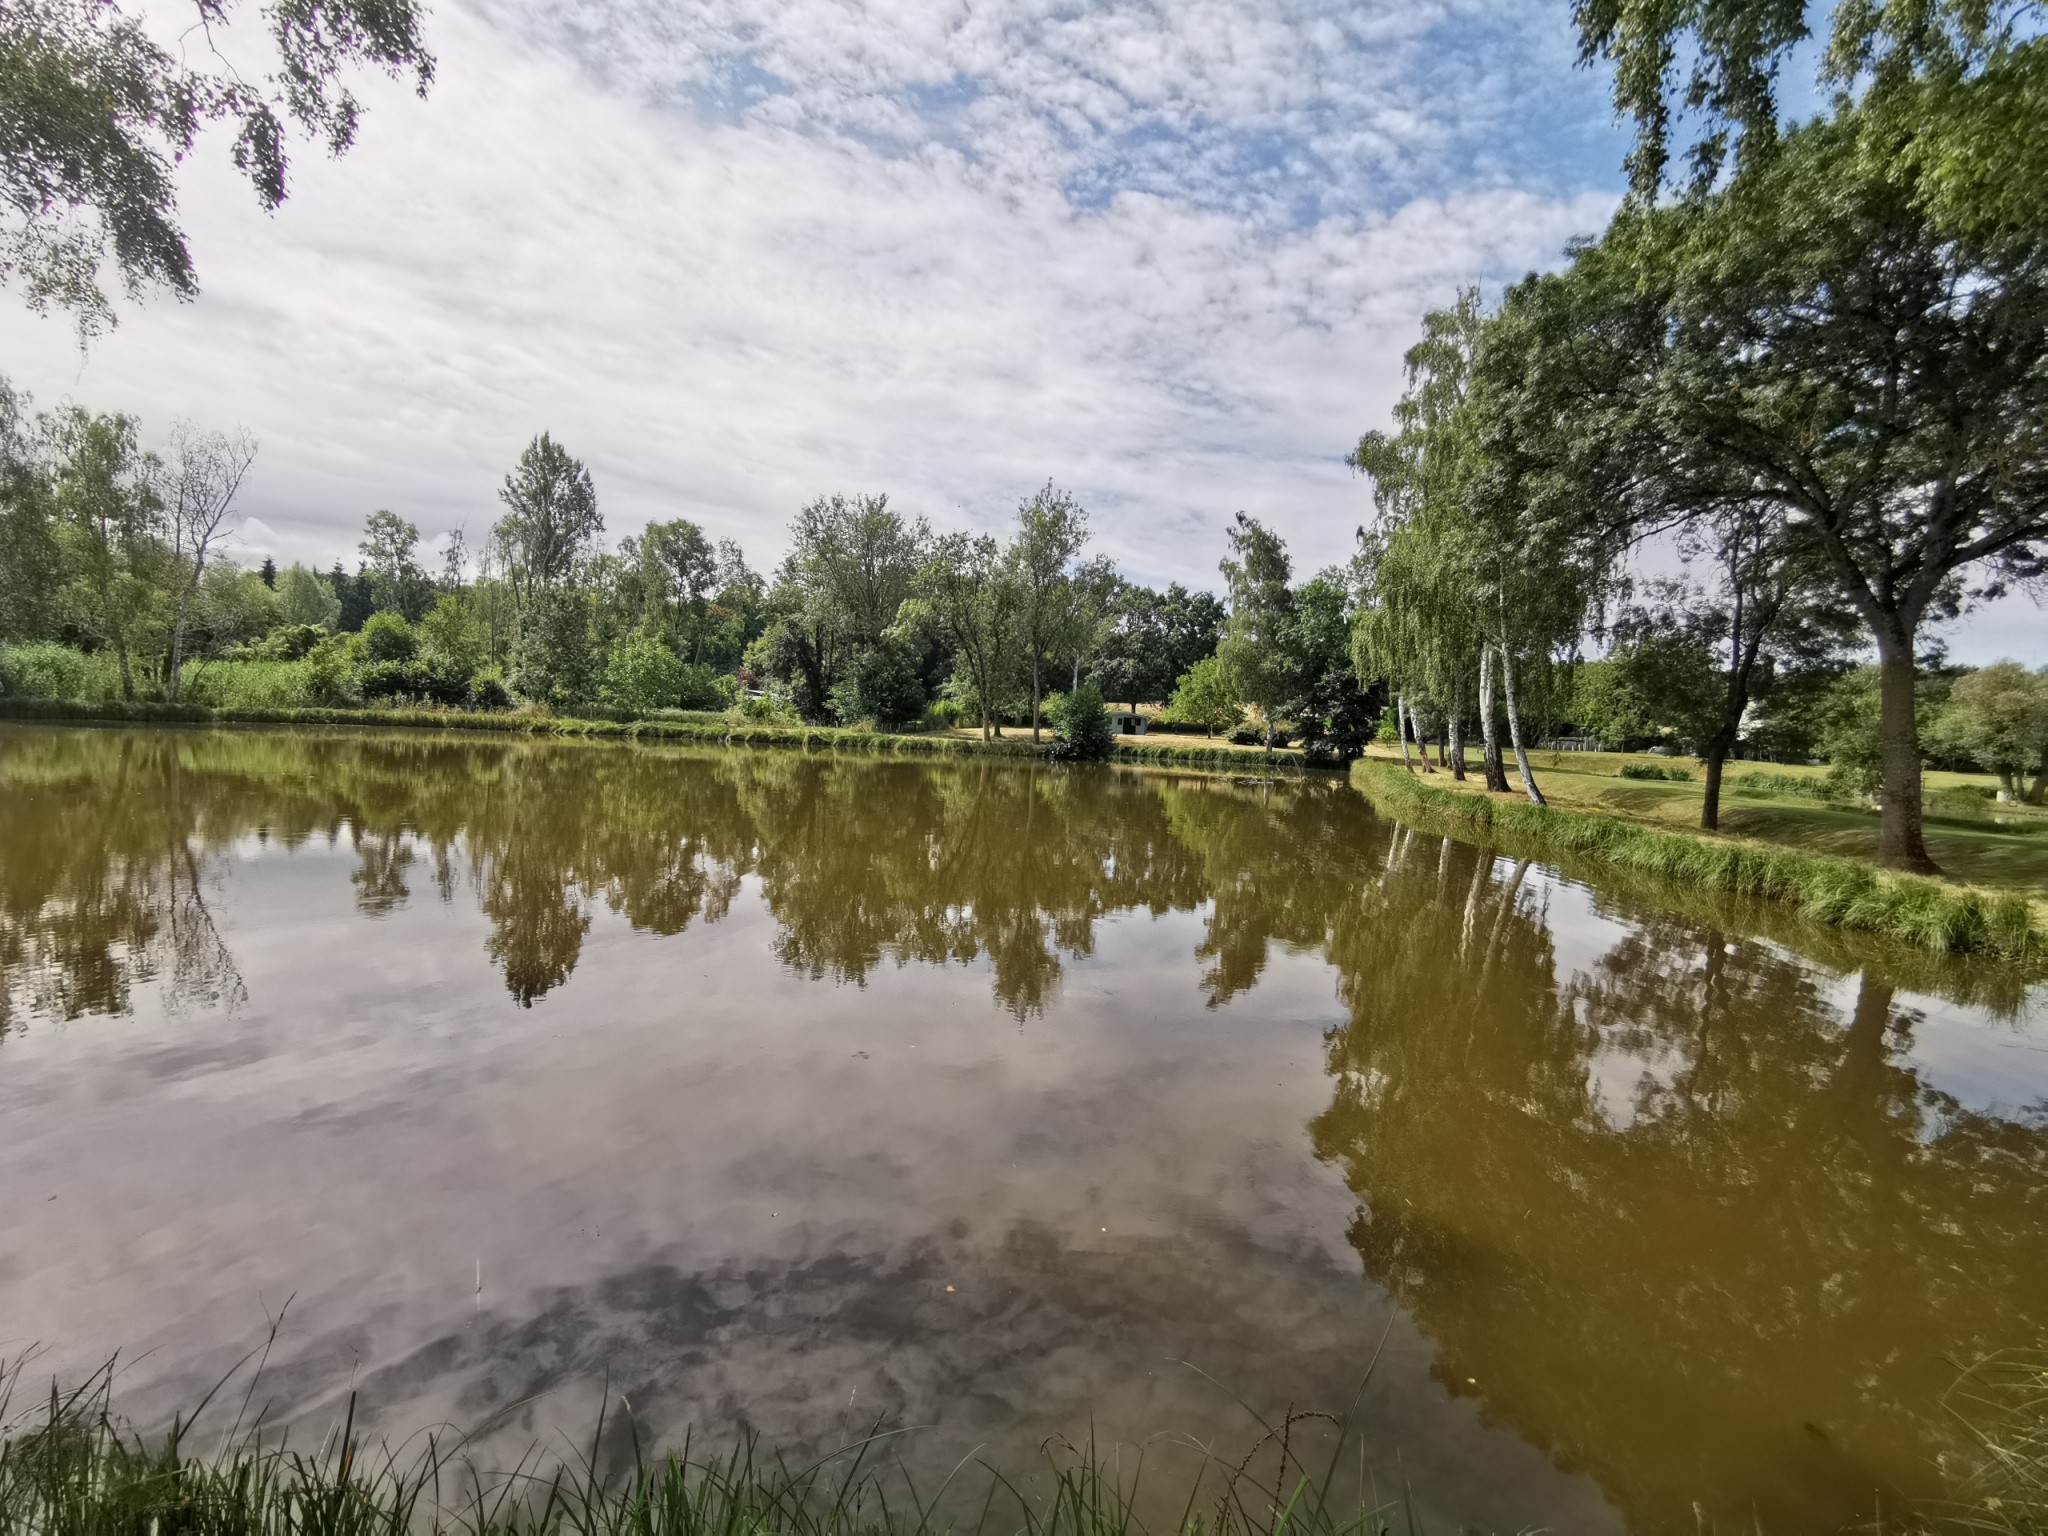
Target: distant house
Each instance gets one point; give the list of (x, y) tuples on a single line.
[(1128, 722)]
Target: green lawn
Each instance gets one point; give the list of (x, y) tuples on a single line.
[(1970, 848)]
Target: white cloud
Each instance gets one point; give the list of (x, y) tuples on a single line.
[(841, 284)]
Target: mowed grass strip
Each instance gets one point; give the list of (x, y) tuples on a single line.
[(1927, 914)]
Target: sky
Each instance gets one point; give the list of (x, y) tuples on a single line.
[(738, 254)]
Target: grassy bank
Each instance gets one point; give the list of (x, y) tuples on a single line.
[(712, 729), (1927, 914), (1975, 840), (69, 1468)]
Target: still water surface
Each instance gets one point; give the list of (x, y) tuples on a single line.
[(1002, 1101)]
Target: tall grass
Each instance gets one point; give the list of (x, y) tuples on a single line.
[(68, 1467), (250, 684), (46, 670), (1926, 914)]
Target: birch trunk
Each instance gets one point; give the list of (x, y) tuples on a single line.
[(1455, 727), (1496, 776), (1507, 688), (1401, 728)]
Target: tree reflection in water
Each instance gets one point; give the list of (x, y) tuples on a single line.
[(1677, 1214)]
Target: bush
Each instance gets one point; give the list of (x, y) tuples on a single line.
[(1081, 728), (1652, 771), (387, 637), (882, 685), (46, 670), (707, 688), (288, 642), (642, 675), (1786, 786), (1252, 736), (331, 674), (1204, 696), (487, 690)]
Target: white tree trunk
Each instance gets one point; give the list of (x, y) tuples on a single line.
[(1401, 728), (1507, 687)]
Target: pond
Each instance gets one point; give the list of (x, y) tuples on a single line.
[(993, 1102)]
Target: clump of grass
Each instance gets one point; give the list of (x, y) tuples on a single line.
[(2000, 1470), (250, 684), (70, 1468), (1654, 771), (1925, 914)]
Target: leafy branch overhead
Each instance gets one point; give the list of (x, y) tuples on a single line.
[(97, 110)]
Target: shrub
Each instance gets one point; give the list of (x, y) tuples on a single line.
[(882, 685), (1081, 728), (642, 675), (331, 673), (707, 688), (1252, 736), (451, 637), (1652, 771), (1787, 786), (46, 670), (287, 642), (386, 637), (487, 690)]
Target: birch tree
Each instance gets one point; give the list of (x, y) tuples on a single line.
[(203, 475)]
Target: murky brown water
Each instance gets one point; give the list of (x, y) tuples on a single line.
[(1001, 1101)]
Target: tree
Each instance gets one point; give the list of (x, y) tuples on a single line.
[(395, 579), (29, 554), (267, 573), (94, 116), (304, 598), (1949, 95), (1998, 716), (1152, 638), (551, 524), (1255, 652), (853, 562), (1880, 388), (1206, 696), (1335, 715), (1052, 529), (967, 595), (204, 474), (682, 569), (109, 518)]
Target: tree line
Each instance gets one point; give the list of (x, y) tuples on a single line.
[(113, 553)]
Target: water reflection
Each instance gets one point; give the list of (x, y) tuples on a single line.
[(1676, 1198)]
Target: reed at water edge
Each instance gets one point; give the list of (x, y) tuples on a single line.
[(1909, 909), (68, 1467)]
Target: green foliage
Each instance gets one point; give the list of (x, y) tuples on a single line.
[(1655, 772), (1254, 653), (391, 570), (1786, 786), (387, 637), (46, 670), (306, 599), (642, 675), (94, 116), (1081, 728), (551, 523), (556, 662), (1997, 717), (881, 686), (451, 638), (1659, 688), (704, 687), (1206, 696)]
